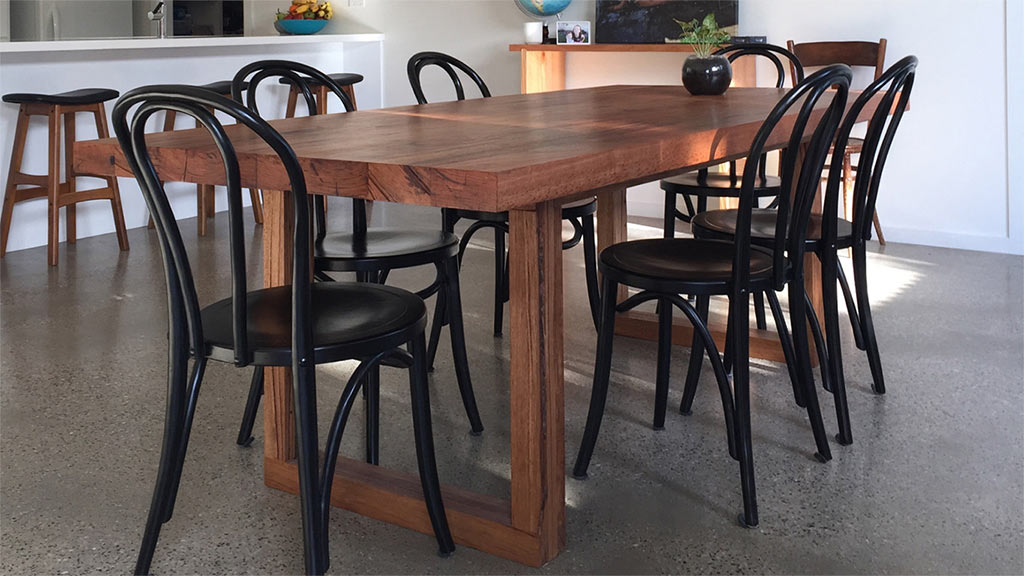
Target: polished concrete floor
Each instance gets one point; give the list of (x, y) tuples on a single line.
[(933, 483)]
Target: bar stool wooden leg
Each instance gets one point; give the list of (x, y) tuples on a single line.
[(878, 229), (257, 205), (115, 191), (53, 186), (11, 190), (293, 100), (71, 185)]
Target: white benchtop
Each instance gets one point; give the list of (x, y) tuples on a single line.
[(180, 42)]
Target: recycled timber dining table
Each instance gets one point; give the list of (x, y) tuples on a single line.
[(526, 154)]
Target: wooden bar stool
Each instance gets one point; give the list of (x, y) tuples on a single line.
[(344, 80), (60, 194), (205, 194)]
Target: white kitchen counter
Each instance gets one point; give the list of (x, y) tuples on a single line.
[(181, 42)]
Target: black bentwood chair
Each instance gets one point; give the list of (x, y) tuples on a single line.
[(299, 326), (579, 213), (369, 252), (665, 268), (703, 185), (826, 236)]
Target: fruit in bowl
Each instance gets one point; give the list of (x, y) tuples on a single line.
[(304, 17)]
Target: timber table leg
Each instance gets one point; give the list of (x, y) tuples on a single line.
[(278, 414), (530, 528), (537, 378)]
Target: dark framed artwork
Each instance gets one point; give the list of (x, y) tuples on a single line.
[(652, 21)]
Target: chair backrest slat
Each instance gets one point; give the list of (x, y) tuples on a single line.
[(304, 78), (892, 89), (775, 54), (810, 137), (183, 301), (447, 63)]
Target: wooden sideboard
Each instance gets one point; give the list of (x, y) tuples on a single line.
[(543, 65)]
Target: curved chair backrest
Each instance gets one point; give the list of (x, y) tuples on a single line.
[(800, 166), (183, 302), (299, 75), (892, 89), (448, 64), (775, 54)]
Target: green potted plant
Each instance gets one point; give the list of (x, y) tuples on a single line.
[(703, 72)]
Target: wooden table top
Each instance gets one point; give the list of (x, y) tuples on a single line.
[(486, 154)]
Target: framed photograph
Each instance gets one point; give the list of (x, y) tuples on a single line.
[(653, 21), (570, 32)]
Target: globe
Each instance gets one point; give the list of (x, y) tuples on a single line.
[(542, 8)]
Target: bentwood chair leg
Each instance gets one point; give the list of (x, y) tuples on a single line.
[(602, 374), (759, 316), (371, 397), (304, 390), (173, 423), (740, 317), (669, 217), (696, 359), (195, 381), (851, 307), (860, 278), (252, 406), (798, 320), (458, 336), (590, 266), (440, 311), (786, 342), (820, 346), (425, 447), (834, 347), (664, 362), (499, 280)]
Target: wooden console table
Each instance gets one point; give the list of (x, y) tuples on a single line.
[(543, 65)]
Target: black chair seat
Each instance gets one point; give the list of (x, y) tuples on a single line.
[(74, 98), (350, 320), (721, 224), (387, 248), (341, 79), (681, 265), (223, 87), (718, 184)]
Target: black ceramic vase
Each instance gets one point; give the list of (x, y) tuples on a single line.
[(707, 76)]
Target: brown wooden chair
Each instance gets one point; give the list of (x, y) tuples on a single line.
[(867, 54), (60, 194)]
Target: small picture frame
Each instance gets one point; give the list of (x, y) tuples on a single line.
[(571, 32)]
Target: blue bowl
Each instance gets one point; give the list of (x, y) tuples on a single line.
[(300, 26)]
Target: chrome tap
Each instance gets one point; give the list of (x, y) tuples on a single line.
[(158, 14)]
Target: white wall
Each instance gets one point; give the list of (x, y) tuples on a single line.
[(948, 181)]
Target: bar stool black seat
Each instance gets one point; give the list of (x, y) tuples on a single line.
[(579, 213), (298, 326), (371, 253), (341, 79), (72, 98), (664, 269), (827, 235)]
